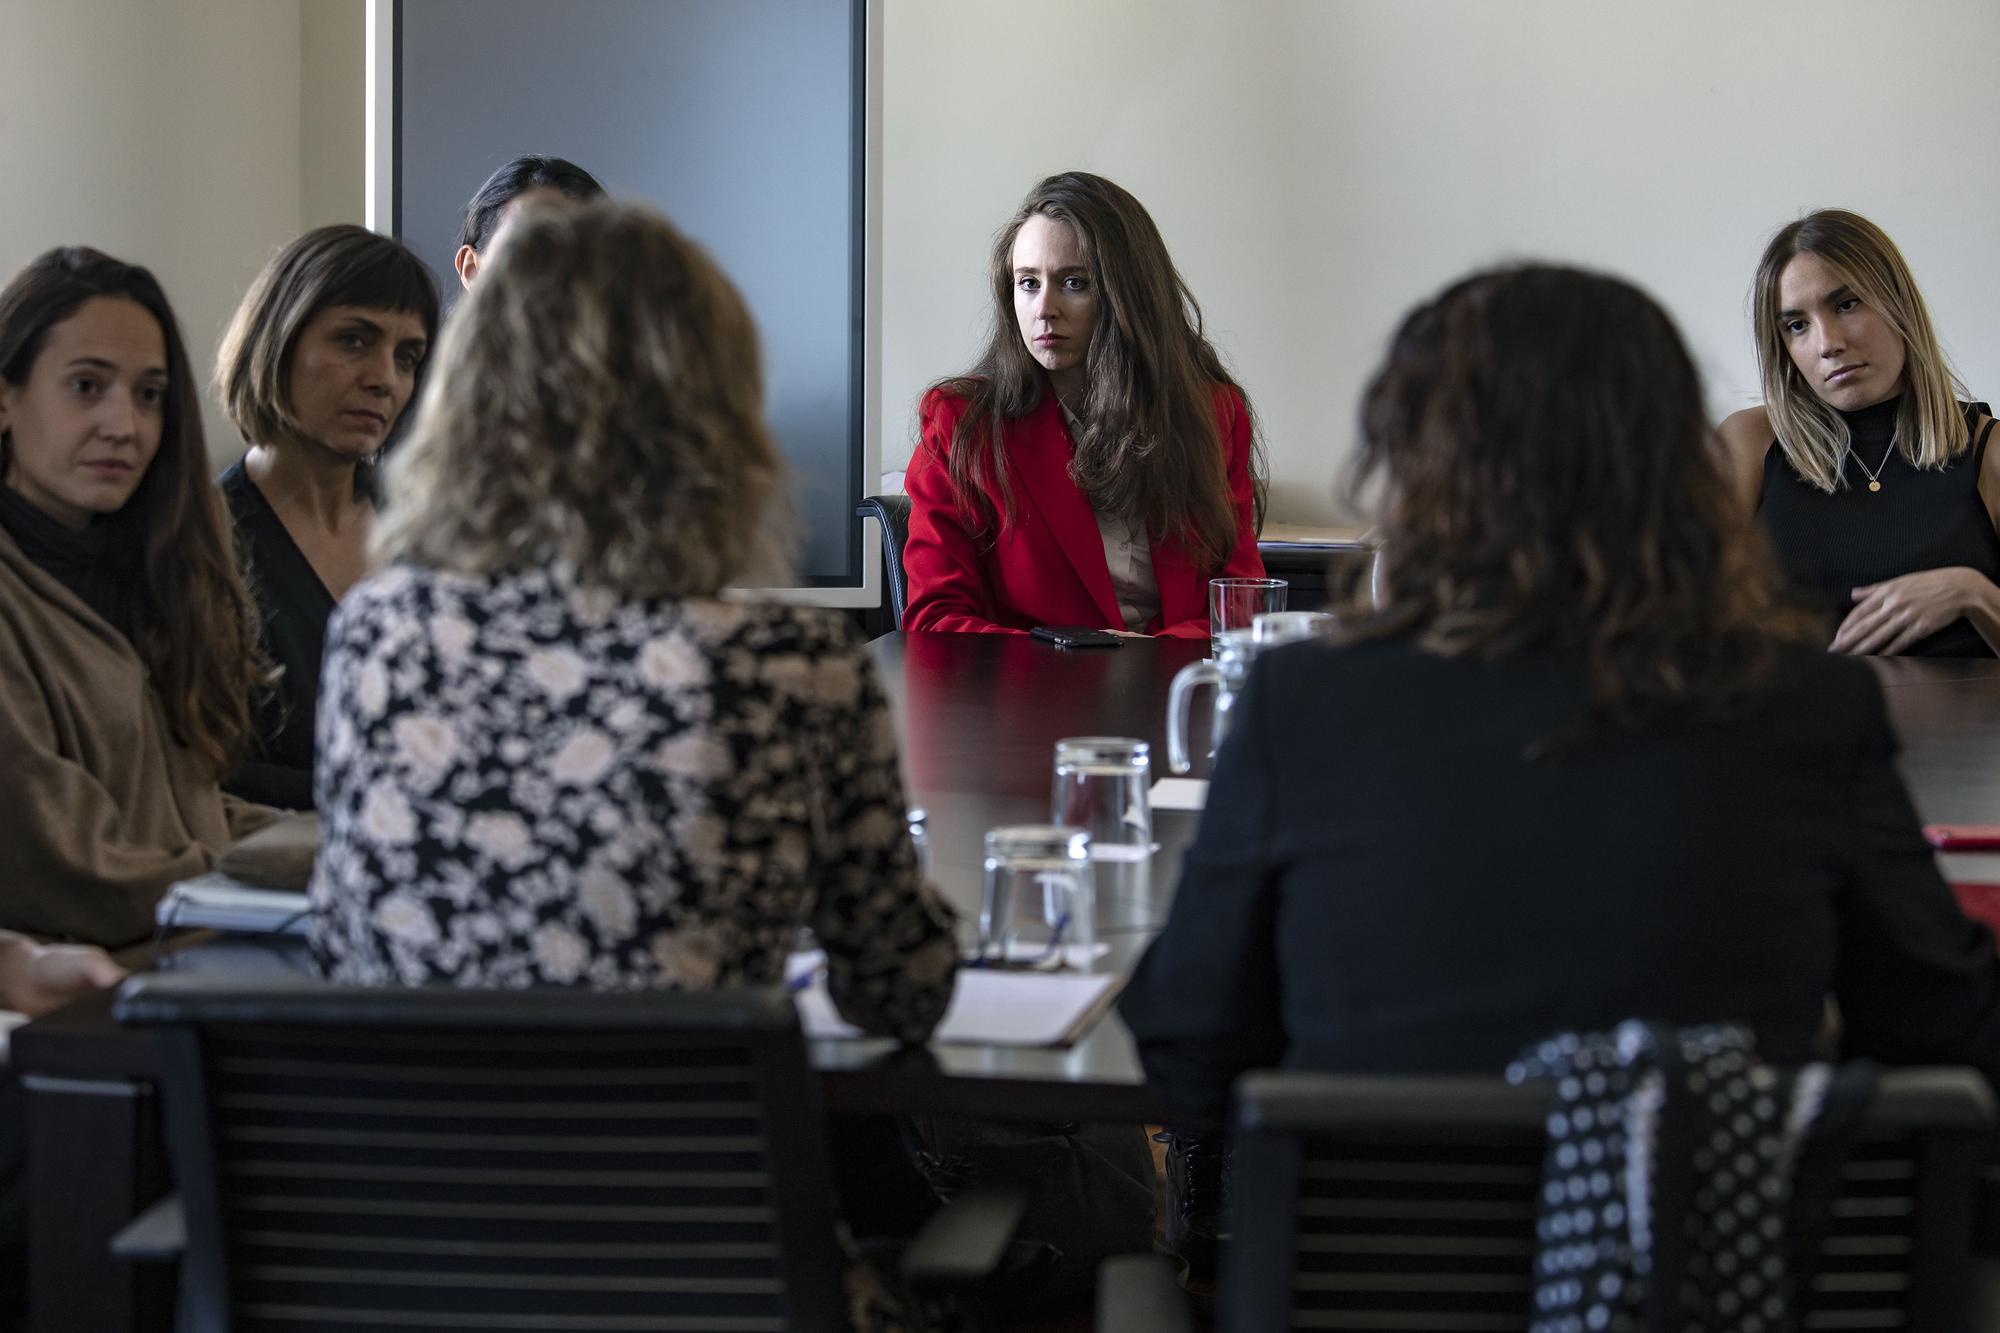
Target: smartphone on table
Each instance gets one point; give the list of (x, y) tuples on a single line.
[(1075, 636)]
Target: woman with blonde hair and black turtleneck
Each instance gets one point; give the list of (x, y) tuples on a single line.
[(1870, 474)]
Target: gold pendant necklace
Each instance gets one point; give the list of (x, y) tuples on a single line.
[(1874, 477)]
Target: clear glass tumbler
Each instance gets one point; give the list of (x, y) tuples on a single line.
[(1038, 906), (1101, 787), (1276, 627), (1236, 603)]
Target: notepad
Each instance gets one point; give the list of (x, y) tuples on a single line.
[(991, 1008), (1180, 793), (216, 902)]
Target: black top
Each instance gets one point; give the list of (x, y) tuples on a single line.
[(1920, 519), (1383, 883), (293, 605), (98, 563)]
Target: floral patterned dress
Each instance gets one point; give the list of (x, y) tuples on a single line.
[(525, 781)]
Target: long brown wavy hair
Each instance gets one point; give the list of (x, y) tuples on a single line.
[(193, 624), (1549, 479), (1150, 448)]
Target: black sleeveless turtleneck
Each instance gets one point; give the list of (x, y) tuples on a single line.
[(92, 563), (1919, 519)]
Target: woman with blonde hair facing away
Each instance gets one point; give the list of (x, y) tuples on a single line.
[(550, 752), (127, 642), (1099, 465), (1866, 468), (318, 364)]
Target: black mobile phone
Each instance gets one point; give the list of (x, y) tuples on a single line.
[(1075, 636)]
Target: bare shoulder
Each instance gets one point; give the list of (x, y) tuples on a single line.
[(1746, 433), (1745, 437)]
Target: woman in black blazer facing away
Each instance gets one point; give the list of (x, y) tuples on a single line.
[(1581, 765)]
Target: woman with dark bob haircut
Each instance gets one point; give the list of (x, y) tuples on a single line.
[(325, 352), (1580, 765), (1099, 464), (127, 642)]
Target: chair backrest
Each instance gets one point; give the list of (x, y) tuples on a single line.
[(893, 513), (1410, 1203), (457, 1159)]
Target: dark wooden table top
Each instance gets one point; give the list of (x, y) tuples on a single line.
[(979, 717)]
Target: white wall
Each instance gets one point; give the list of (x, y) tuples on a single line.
[(166, 133), (1318, 165)]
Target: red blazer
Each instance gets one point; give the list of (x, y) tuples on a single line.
[(1046, 566)]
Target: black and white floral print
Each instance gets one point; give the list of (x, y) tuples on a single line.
[(523, 781)]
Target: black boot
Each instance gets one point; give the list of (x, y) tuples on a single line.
[(1197, 1180)]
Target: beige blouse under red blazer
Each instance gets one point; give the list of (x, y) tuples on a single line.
[(1047, 566)]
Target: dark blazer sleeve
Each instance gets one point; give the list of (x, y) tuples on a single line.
[(1918, 982), (1204, 1003), (941, 556)]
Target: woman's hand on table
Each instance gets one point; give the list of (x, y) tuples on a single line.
[(1888, 617), (35, 978)]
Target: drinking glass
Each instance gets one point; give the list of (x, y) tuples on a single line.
[(1038, 906), (1101, 787), (1226, 670), (920, 838), (1276, 627), (1236, 603)]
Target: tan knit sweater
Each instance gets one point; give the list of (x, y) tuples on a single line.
[(100, 808)]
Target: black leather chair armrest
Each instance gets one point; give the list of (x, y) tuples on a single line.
[(962, 1243), (156, 1236), (1136, 1293)]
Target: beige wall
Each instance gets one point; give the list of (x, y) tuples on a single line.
[(191, 136), (333, 90), (165, 133), (1318, 165)]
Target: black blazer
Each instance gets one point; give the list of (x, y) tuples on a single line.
[(293, 606), (1382, 882)]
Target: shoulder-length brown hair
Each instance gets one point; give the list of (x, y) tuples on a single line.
[(597, 404), (327, 266), (1548, 478), (1931, 429), (1151, 448), (194, 625)]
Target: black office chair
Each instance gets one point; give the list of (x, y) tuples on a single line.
[(443, 1158), (1410, 1203), (893, 513)]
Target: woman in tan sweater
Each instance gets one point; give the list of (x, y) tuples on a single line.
[(127, 645)]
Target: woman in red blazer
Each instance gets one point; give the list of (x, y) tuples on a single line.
[(1098, 466)]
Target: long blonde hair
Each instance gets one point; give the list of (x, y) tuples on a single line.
[(1930, 425), (596, 403)]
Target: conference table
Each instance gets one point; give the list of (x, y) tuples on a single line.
[(979, 716)]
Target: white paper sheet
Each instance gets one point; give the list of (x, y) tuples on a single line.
[(1180, 793), (217, 902), (989, 1008)]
